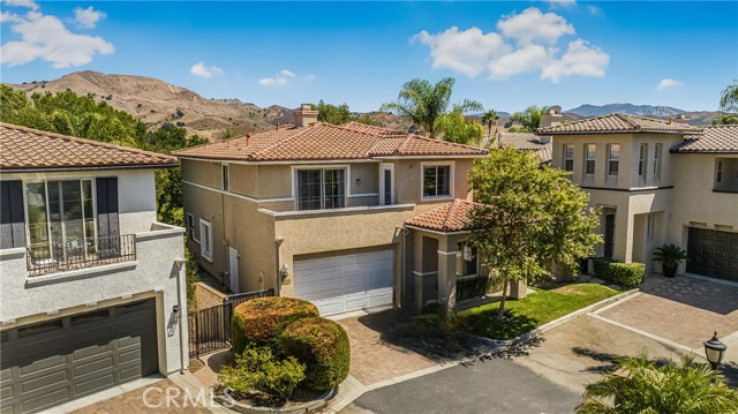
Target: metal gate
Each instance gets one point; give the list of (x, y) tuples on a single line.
[(210, 328)]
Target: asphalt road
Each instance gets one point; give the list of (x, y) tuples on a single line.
[(496, 386)]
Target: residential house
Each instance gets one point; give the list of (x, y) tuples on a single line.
[(657, 181), (318, 211), (92, 292)]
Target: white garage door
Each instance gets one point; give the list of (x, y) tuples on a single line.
[(346, 283)]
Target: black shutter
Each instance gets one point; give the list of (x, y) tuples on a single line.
[(108, 231), (12, 221)]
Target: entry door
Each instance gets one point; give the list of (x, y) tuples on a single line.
[(233, 270), (609, 234)]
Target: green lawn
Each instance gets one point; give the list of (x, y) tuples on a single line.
[(533, 311)]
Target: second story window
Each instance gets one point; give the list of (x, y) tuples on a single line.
[(642, 157), (590, 154), (206, 240), (569, 157), (613, 159), (225, 173), (319, 189), (436, 181), (719, 172), (657, 160)]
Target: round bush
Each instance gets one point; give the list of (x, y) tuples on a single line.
[(260, 321), (323, 346)]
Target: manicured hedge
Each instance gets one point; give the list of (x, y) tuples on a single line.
[(601, 266), (323, 346), (260, 322), (627, 274)]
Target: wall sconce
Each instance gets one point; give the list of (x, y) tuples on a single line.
[(468, 253), (176, 312), (284, 271), (358, 181)]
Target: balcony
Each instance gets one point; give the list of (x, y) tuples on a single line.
[(55, 257)]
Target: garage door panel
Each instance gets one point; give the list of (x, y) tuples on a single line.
[(46, 400), (40, 384), (713, 253)]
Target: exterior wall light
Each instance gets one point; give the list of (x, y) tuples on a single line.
[(284, 271), (714, 351)]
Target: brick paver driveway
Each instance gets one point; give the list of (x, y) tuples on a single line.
[(133, 402), (374, 360), (683, 310)]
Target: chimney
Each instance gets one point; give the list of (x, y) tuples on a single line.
[(305, 116), (248, 139), (550, 118)]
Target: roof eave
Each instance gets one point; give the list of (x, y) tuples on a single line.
[(622, 131), (84, 168)]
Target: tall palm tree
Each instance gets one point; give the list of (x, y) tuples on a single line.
[(490, 118), (650, 387), (729, 104), (531, 118), (424, 103)]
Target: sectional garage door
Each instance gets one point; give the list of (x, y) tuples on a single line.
[(347, 282), (47, 364), (713, 253)]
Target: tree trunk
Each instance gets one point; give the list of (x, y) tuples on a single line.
[(501, 310)]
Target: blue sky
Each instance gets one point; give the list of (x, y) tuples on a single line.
[(507, 55)]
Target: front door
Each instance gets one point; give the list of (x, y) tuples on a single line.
[(233, 270), (609, 235)]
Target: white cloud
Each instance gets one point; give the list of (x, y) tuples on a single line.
[(8, 17), (532, 26), (199, 69), (277, 80), (466, 52), (526, 59), (22, 3), (46, 37), (580, 59), (562, 3), (286, 73), (667, 83), (87, 18), (285, 76), (594, 10), (310, 77)]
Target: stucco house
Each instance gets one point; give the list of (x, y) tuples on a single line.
[(92, 291), (657, 181), (319, 211)]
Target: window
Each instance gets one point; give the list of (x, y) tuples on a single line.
[(61, 217), (642, 157), (657, 160), (386, 184), (319, 189), (225, 177), (590, 154), (719, 172), (466, 261), (568, 157), (613, 159), (191, 227), (436, 181), (206, 240)]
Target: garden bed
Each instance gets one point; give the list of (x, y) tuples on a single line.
[(302, 400)]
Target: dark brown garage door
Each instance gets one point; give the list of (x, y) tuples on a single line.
[(47, 364), (713, 253)]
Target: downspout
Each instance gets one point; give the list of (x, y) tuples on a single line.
[(226, 253), (277, 244), (403, 263), (179, 316)]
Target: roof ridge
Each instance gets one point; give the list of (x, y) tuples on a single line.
[(87, 141), (287, 139), (628, 120)]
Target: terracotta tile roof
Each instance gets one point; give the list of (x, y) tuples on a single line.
[(450, 217), (526, 142), (714, 139), (29, 149), (322, 141), (619, 123)]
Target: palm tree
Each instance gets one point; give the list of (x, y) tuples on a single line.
[(652, 387), (424, 103), (530, 119), (490, 118), (729, 104)]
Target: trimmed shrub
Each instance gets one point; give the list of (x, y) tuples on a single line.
[(601, 265), (258, 369), (260, 321), (627, 274), (323, 346)]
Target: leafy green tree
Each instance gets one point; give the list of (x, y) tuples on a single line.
[(529, 217), (651, 387), (338, 115), (490, 118), (424, 103), (456, 128), (530, 119), (729, 105)]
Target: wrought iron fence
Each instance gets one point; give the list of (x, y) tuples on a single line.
[(62, 256), (471, 287), (210, 328)]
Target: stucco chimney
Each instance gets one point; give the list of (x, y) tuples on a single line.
[(551, 117), (305, 116)]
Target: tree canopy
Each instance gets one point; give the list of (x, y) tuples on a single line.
[(729, 105), (490, 118), (529, 217), (456, 128), (530, 119), (339, 114)]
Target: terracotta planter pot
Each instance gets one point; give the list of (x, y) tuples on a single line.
[(669, 271)]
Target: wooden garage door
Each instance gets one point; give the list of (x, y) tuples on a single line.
[(47, 364), (347, 282), (713, 253)]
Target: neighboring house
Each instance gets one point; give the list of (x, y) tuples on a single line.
[(657, 182), (527, 142), (91, 284), (317, 211)]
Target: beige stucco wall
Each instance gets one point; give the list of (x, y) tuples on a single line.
[(408, 175)]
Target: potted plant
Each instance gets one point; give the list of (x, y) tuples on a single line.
[(670, 255)]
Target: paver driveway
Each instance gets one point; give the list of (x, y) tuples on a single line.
[(134, 402)]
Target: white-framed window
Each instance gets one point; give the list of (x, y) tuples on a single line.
[(386, 184), (642, 159), (590, 156), (657, 153), (568, 153), (191, 233), (437, 180), (206, 240), (613, 159), (320, 188), (719, 171), (225, 175)]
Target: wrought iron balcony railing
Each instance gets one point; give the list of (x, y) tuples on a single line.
[(63, 256)]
